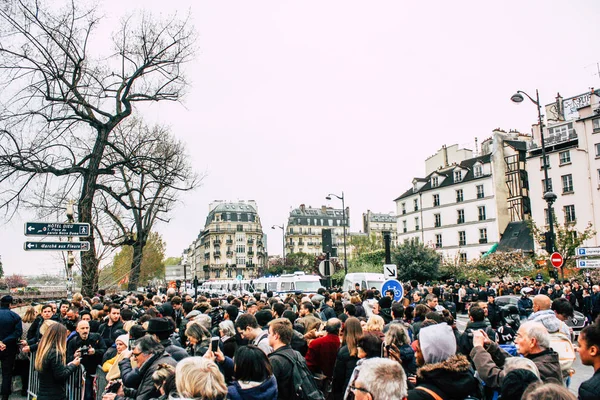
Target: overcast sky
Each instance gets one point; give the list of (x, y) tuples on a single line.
[(292, 100)]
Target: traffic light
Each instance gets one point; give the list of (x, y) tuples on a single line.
[(547, 242)]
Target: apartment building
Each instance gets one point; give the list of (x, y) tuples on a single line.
[(377, 223)]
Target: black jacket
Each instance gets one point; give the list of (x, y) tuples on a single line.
[(178, 353), (90, 362), (342, 372), (146, 389), (589, 389), (53, 377), (282, 370), (11, 328), (106, 332)]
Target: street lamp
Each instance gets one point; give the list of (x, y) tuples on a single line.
[(344, 222), (549, 196), (282, 227)]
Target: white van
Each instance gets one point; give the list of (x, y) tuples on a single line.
[(268, 284), (367, 280), (298, 281)]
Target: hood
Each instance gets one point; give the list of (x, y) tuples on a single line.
[(548, 319), (265, 391), (453, 377)]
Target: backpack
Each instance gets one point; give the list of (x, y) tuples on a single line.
[(304, 385), (561, 344)]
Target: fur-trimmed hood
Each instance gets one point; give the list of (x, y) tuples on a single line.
[(454, 377)]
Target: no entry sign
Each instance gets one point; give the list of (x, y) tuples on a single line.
[(556, 259)]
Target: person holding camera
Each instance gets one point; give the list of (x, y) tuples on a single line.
[(90, 348)]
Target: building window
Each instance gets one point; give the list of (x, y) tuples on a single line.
[(403, 208), (459, 195), (218, 273), (240, 249), (438, 220), (597, 147), (477, 170), (404, 227), (547, 187), (483, 235), (417, 227), (567, 182), (546, 216), (416, 204), (457, 176), (481, 212), (241, 260), (480, 192), (438, 241), (436, 200), (564, 157), (240, 228), (462, 258), (434, 181), (569, 213), (460, 216), (596, 124), (462, 238), (542, 162)]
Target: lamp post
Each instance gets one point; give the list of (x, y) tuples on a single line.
[(282, 227), (549, 196), (344, 222)]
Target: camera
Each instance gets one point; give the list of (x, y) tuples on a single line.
[(84, 350), (113, 387)]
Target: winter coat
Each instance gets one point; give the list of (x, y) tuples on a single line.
[(450, 379), (90, 362), (322, 353), (53, 377), (342, 372), (229, 346), (407, 356), (490, 361), (328, 312), (266, 390), (176, 352), (589, 389), (386, 314), (551, 322), (282, 370), (465, 342), (146, 389), (106, 332), (11, 328), (525, 305)]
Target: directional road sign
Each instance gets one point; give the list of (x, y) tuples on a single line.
[(57, 246), (588, 251), (56, 229), (390, 271), (394, 285), (588, 263), (556, 259)]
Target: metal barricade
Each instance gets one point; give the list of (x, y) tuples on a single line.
[(100, 383), (74, 388)]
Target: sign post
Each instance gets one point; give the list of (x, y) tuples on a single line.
[(556, 259), (395, 286), (390, 271)]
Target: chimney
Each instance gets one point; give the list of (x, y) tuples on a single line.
[(476, 148), (324, 209), (302, 207), (560, 110), (445, 149)]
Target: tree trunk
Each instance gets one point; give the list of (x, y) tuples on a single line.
[(136, 265)]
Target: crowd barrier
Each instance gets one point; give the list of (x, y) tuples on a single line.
[(74, 387), (100, 382)]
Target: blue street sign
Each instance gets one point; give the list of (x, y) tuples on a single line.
[(581, 251), (394, 285)]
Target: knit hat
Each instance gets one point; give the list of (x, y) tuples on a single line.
[(123, 339), (515, 383), (437, 343)]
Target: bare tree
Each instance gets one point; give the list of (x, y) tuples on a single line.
[(60, 105), (146, 186)]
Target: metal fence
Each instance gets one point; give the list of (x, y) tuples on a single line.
[(100, 383), (74, 387)]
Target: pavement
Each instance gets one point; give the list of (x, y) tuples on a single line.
[(582, 372)]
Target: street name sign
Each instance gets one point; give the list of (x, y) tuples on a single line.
[(57, 229), (588, 251), (57, 246), (394, 286), (588, 263), (556, 259), (390, 271)]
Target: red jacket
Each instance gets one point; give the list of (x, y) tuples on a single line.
[(322, 353)]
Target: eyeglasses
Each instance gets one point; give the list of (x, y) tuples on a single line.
[(136, 355), (354, 389)]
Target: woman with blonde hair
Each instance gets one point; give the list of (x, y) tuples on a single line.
[(111, 366), (22, 360), (347, 357), (375, 326), (50, 363), (199, 378)]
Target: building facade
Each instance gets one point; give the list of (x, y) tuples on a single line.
[(572, 141), (305, 225), (461, 208), (376, 223), (231, 244)]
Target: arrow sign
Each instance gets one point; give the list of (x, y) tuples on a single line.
[(57, 229), (57, 246), (588, 263), (390, 271)]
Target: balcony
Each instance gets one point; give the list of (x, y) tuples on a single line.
[(250, 253), (217, 242), (217, 254), (551, 140), (229, 254), (250, 241), (229, 242)]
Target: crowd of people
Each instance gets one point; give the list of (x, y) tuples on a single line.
[(358, 344)]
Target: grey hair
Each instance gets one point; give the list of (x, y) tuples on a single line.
[(227, 327), (397, 335), (204, 320), (537, 331), (513, 363), (148, 345), (383, 378)]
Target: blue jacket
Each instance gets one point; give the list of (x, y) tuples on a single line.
[(11, 327), (265, 391)]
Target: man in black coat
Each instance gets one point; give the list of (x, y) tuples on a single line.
[(161, 329), (11, 330), (90, 347), (114, 323), (280, 337)]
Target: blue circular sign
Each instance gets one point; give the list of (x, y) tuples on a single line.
[(395, 286)]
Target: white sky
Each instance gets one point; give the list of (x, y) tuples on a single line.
[(293, 100)]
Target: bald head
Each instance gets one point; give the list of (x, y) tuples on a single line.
[(542, 302), (83, 329), (333, 326)]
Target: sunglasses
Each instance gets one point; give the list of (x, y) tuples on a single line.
[(354, 389)]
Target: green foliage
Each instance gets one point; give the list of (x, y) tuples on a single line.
[(299, 262), (339, 276), (416, 261), (173, 261), (365, 244), (1, 270)]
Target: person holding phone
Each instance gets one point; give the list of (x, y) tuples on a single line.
[(50, 363)]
